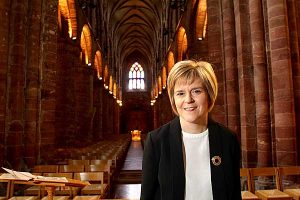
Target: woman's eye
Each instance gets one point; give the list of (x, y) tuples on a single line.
[(196, 92), (179, 93)]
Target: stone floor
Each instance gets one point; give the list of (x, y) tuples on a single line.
[(133, 161), (134, 158)]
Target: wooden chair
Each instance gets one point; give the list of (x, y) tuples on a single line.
[(99, 168), (78, 162), (105, 168), (97, 187), (71, 168), (109, 162), (247, 194), (45, 169), (24, 198), (88, 197), (57, 198), (290, 173), (9, 188), (100, 161), (88, 157), (267, 193)]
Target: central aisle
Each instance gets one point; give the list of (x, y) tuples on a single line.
[(134, 157), (128, 186)]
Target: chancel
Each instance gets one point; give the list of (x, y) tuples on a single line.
[(83, 82), (135, 135)]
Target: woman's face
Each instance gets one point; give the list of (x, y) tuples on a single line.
[(191, 101)]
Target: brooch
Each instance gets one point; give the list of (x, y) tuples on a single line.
[(216, 160)]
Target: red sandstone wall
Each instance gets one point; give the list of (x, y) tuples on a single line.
[(4, 43), (47, 93)]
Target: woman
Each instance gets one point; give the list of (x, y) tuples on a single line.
[(191, 157)]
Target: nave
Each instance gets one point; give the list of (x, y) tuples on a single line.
[(77, 74), (118, 160)]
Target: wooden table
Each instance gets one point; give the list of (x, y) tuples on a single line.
[(49, 185)]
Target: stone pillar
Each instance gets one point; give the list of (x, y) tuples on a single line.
[(101, 114), (155, 118), (84, 107), (15, 83), (282, 83), (215, 54), (66, 92), (116, 108), (96, 107), (34, 57), (47, 79), (106, 113), (231, 71), (294, 30), (264, 145), (246, 86), (4, 34)]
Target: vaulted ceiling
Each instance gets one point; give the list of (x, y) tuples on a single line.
[(135, 32), (135, 27)]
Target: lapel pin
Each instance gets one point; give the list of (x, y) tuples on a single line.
[(216, 160)]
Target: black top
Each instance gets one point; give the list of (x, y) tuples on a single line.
[(163, 175)]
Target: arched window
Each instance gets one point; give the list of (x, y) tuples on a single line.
[(136, 77)]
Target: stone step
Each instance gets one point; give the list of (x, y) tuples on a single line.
[(129, 176)]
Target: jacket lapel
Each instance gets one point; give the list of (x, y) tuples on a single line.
[(216, 156), (177, 163)]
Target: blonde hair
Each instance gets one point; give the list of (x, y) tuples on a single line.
[(189, 70)]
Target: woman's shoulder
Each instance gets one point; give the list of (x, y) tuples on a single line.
[(221, 129), (164, 130)]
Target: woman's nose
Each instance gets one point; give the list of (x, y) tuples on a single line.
[(189, 98)]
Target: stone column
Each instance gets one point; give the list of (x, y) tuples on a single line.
[(231, 71), (35, 60), (215, 54), (264, 145), (4, 34), (246, 86), (15, 107), (282, 83), (294, 30)]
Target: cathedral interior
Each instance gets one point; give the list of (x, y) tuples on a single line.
[(77, 77)]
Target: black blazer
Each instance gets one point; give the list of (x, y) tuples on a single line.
[(163, 175)]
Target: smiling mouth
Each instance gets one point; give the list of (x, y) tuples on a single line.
[(189, 108)]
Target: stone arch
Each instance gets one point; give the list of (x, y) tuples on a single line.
[(201, 20), (164, 77), (111, 82), (105, 77), (67, 16), (181, 44), (98, 64), (115, 89), (159, 84), (170, 61), (86, 45)]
